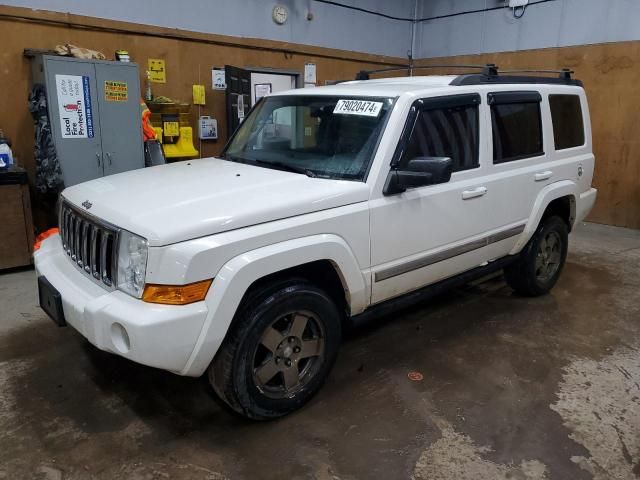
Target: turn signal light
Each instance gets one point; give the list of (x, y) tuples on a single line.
[(176, 294), (44, 236)]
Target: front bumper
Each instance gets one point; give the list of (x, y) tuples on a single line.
[(161, 336)]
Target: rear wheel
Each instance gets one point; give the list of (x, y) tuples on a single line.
[(541, 262), (279, 350)]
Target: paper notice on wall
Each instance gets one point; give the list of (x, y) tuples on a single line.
[(157, 70), (218, 79), (262, 90), (310, 73), (74, 106), (199, 97), (240, 107)]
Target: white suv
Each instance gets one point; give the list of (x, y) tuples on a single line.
[(328, 206)]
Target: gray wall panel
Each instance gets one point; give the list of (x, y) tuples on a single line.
[(553, 24), (332, 27)]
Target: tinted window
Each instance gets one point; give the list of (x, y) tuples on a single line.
[(446, 132), (566, 116), (517, 131)]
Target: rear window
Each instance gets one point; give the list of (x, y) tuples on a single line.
[(517, 126), (566, 116)]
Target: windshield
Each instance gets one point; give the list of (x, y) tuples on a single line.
[(321, 136)]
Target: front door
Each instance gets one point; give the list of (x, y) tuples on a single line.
[(430, 233)]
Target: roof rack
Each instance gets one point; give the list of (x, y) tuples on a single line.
[(489, 74), (563, 78), (488, 69)]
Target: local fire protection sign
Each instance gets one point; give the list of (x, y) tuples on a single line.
[(74, 106)]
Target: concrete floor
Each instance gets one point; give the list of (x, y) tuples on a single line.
[(513, 388)]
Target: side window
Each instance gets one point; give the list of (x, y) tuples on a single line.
[(446, 131), (566, 116), (517, 125)]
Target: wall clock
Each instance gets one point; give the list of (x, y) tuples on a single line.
[(280, 14)]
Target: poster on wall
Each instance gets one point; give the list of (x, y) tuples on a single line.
[(262, 90), (218, 79), (157, 70), (74, 106), (310, 73)]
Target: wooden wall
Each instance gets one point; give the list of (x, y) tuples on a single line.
[(189, 58), (611, 76)]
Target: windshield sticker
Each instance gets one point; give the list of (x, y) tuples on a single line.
[(358, 107)]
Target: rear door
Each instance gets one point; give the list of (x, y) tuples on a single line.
[(520, 164), (238, 96)]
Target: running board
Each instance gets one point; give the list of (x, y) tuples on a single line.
[(425, 293)]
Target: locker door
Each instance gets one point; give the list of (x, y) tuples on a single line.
[(118, 95), (75, 122)]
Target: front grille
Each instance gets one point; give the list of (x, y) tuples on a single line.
[(90, 244)]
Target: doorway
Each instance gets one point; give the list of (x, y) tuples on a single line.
[(265, 83), (245, 86)]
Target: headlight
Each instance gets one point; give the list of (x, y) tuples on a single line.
[(132, 263)]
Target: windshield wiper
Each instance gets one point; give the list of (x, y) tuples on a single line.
[(287, 167)]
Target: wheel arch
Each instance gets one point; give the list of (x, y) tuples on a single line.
[(555, 199), (563, 207), (327, 255), (325, 274)]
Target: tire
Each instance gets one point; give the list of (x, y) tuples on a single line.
[(279, 350), (537, 270)]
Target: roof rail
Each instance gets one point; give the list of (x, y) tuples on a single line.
[(488, 69), (489, 74), (563, 78)]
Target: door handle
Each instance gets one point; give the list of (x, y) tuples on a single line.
[(477, 192), (98, 157), (539, 177), (109, 158)]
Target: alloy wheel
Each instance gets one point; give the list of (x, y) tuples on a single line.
[(289, 354), (548, 257)]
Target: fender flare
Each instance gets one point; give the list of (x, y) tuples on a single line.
[(238, 274), (564, 188)]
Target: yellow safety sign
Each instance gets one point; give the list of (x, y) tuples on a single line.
[(116, 91)]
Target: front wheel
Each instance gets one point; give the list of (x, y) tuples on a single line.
[(540, 263), (280, 349)]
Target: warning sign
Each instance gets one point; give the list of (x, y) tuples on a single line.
[(74, 106), (157, 72), (171, 129), (116, 91)]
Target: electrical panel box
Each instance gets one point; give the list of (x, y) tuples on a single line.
[(94, 110)]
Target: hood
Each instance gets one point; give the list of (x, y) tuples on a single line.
[(180, 201)]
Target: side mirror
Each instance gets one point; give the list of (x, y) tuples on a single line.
[(419, 172)]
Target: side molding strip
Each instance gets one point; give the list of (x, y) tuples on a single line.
[(432, 258)]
